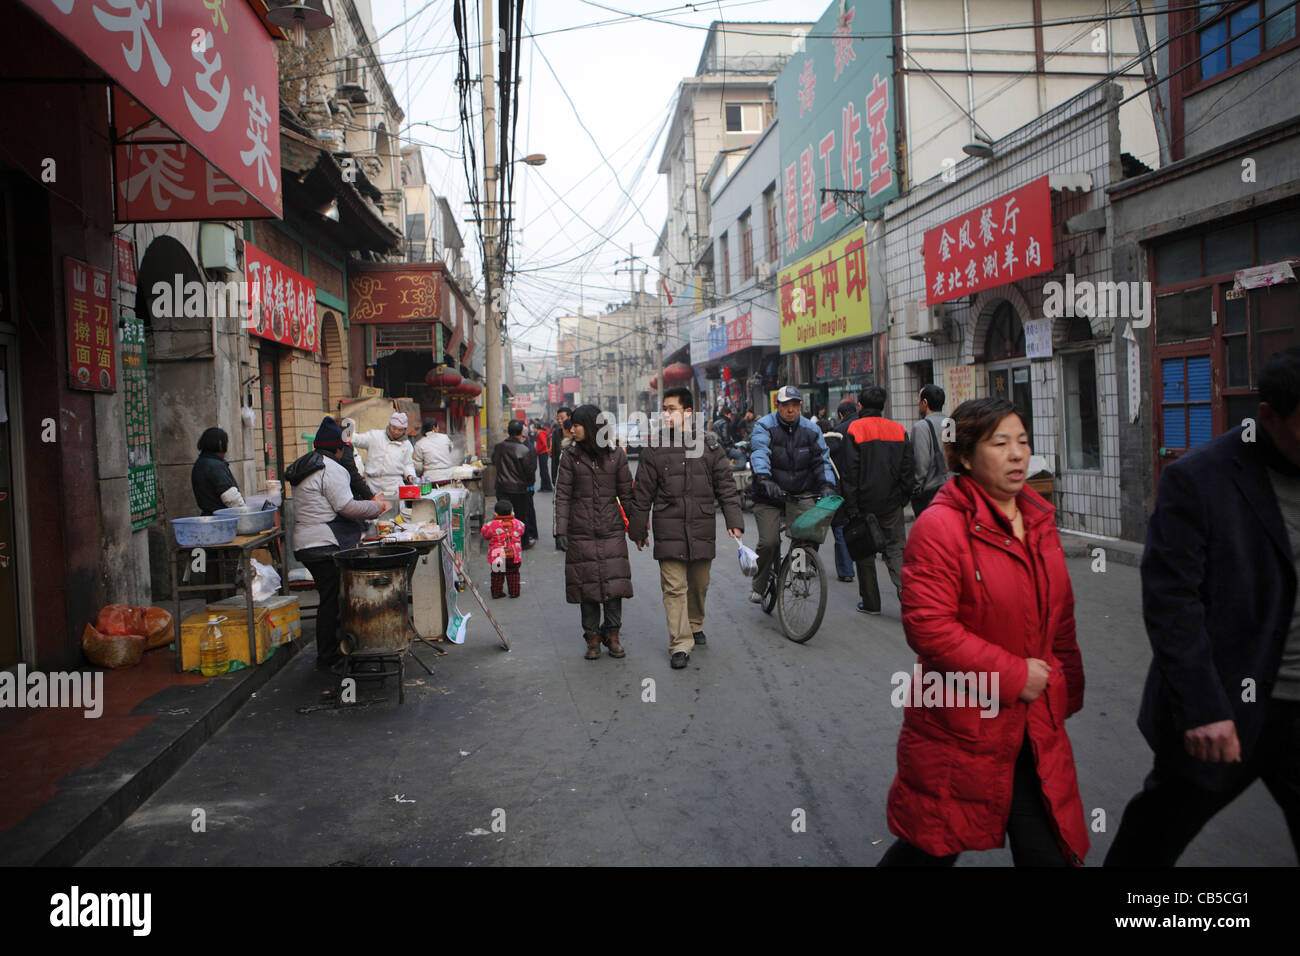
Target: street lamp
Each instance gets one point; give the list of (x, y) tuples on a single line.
[(304, 16)]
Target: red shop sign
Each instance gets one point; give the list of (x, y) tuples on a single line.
[(282, 303), (740, 333), (91, 341), (1002, 241), (206, 69)]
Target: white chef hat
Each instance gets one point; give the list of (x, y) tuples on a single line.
[(398, 420)]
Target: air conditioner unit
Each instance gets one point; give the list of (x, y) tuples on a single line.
[(924, 322)]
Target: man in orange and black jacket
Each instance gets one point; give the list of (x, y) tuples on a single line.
[(878, 456)]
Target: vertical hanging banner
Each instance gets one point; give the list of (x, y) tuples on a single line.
[(835, 99), (142, 479), (90, 327), (205, 72)]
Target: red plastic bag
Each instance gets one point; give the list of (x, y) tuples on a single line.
[(121, 619)]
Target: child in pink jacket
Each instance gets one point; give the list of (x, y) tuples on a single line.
[(505, 535)]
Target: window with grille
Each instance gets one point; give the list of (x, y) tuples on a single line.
[(1186, 399)]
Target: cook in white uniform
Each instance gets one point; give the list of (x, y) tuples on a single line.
[(432, 456), (388, 456)]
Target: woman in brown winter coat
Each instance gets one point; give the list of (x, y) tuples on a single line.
[(589, 528)]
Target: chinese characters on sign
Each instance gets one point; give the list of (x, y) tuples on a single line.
[(142, 480), (959, 384), (858, 360), (91, 339), (825, 298), (1002, 241), (210, 80), (282, 302), (829, 365), (836, 134), (553, 394)]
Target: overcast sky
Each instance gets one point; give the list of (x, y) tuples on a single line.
[(602, 148)]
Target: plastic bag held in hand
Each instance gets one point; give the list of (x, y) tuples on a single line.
[(748, 560)]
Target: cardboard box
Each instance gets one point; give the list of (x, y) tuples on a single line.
[(285, 614), (234, 629)]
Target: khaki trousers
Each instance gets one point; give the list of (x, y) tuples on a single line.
[(685, 585)]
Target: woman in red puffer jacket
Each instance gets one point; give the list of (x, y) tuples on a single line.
[(986, 594)]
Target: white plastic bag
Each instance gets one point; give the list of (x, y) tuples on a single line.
[(748, 560), (266, 581)]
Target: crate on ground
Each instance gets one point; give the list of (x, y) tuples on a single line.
[(234, 629), (285, 614)]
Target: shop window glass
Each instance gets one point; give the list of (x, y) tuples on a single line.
[(1279, 237), (1183, 316), (1083, 433), (1214, 54), (1230, 249), (1279, 28), (1178, 261), (1243, 28)]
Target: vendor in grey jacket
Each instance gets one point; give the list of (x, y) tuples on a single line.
[(326, 519)]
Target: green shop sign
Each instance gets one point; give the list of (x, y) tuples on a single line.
[(835, 101)]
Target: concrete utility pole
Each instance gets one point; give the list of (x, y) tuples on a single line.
[(631, 271), (491, 223)]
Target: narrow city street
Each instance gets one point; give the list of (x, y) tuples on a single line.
[(574, 767)]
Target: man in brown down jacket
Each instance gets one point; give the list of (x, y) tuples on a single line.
[(682, 486)]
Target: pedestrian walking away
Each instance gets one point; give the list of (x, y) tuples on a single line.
[(558, 434), (847, 411), (789, 457), (929, 462), (505, 537), (989, 609), (589, 528), (516, 469), (327, 519), (1221, 706), (682, 490), (543, 456), (878, 482)]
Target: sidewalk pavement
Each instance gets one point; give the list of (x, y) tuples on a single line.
[(69, 780)]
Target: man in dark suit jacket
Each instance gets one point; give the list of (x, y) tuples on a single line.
[(1222, 700)]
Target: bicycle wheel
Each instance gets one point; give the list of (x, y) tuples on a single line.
[(801, 594)]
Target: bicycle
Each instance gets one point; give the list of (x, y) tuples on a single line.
[(796, 587)]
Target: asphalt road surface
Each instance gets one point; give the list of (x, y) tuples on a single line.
[(538, 757)]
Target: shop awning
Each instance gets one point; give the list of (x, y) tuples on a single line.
[(196, 118)]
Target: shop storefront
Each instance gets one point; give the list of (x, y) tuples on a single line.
[(1013, 298), (407, 319), (100, 132)]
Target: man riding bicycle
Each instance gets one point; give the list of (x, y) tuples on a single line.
[(789, 458)]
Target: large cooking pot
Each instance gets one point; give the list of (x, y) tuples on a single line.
[(373, 587)]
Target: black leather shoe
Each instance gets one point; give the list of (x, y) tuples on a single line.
[(866, 610), (680, 660), (699, 638)]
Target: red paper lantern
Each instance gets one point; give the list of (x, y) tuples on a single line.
[(679, 373), (442, 377)]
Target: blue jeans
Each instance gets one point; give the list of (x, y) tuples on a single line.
[(843, 561)]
